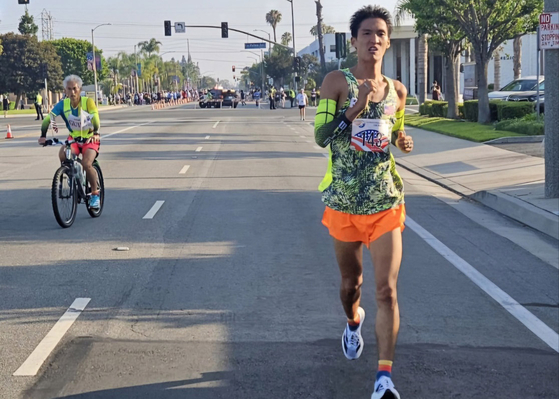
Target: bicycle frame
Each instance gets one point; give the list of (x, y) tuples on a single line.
[(71, 161)]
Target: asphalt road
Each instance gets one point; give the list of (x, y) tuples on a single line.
[(230, 289)]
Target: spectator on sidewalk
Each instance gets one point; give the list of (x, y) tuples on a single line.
[(6, 105), (39, 106), (313, 97)]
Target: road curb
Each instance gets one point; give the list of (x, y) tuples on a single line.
[(528, 214), (516, 139), (512, 207)]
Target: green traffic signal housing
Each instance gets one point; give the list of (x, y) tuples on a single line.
[(341, 46), (224, 30), (167, 28)]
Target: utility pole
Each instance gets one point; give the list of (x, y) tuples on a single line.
[(551, 114), (46, 25), (293, 37), (136, 68)]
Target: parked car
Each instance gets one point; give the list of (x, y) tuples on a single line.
[(517, 86), (230, 98), (529, 96)]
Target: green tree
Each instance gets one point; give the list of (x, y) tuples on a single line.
[(447, 37), (487, 24), (150, 47), (41, 61), (207, 82), (286, 39), (273, 17), (325, 29), (279, 64), (73, 55), (27, 25)]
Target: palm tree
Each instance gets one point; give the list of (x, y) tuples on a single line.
[(325, 29), (517, 57), (497, 68), (286, 38), (273, 17), (320, 35), (150, 47)]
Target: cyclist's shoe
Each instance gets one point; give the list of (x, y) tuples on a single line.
[(94, 202), (384, 389), (352, 341)]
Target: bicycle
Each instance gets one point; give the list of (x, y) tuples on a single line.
[(70, 187)]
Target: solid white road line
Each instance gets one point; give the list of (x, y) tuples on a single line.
[(124, 130), (184, 169), (217, 123), (35, 360), (538, 327), (207, 137), (198, 149), (154, 209)]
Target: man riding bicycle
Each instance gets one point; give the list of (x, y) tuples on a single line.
[(82, 120)]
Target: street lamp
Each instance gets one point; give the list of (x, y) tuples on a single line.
[(269, 39), (293, 30), (94, 61)]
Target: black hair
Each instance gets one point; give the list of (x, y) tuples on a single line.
[(369, 12)]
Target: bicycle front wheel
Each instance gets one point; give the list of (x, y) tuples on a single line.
[(64, 197)]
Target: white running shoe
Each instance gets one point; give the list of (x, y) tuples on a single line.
[(352, 341), (384, 389)]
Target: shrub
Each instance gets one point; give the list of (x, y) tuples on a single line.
[(533, 128), (437, 109), (513, 110), (461, 111), (494, 110), (470, 110), (429, 109)]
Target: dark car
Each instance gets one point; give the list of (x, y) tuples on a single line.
[(214, 98), (530, 96), (230, 98)]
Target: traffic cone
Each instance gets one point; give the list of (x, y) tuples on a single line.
[(9, 134)]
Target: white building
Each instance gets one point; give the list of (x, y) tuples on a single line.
[(400, 61)]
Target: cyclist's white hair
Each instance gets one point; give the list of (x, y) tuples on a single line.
[(73, 78)]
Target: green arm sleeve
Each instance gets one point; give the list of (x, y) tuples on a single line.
[(326, 126), (92, 109), (398, 125), (45, 126)]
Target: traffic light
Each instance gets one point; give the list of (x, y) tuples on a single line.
[(167, 28), (296, 64), (224, 30), (22, 1), (341, 46), (233, 68)]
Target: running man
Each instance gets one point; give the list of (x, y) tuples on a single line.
[(303, 101), (359, 114)]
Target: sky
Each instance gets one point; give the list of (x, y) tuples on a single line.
[(134, 21)]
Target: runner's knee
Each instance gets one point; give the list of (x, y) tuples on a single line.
[(386, 296), (351, 285)]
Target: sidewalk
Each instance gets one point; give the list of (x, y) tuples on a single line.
[(34, 115), (509, 182)]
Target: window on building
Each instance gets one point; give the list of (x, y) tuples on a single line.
[(332, 48)]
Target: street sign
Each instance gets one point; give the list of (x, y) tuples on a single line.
[(249, 46), (180, 27), (549, 30)]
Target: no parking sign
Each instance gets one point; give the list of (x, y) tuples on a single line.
[(549, 30)]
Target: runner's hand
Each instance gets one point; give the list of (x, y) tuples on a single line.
[(42, 140), (365, 89), (404, 143), (95, 139)]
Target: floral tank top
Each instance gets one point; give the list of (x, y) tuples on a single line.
[(362, 182)]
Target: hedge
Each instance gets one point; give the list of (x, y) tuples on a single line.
[(470, 110), (533, 128), (513, 110)]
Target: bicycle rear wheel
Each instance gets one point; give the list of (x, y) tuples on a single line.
[(64, 197), (95, 213)]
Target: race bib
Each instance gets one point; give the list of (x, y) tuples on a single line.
[(370, 135), (82, 122)]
